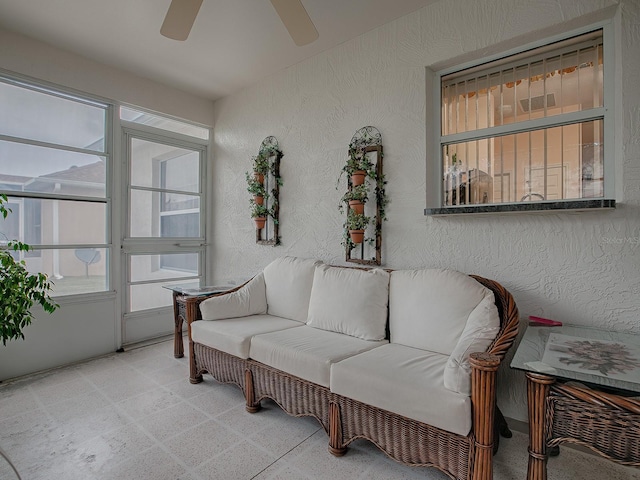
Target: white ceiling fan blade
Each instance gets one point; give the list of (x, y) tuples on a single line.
[(180, 17), (296, 19)]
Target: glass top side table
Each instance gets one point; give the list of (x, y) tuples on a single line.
[(600, 412), (192, 289)]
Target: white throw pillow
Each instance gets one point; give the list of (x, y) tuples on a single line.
[(428, 309), (248, 300), (350, 301), (288, 284), (481, 329)]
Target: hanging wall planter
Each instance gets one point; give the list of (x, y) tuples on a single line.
[(264, 184), (365, 196)]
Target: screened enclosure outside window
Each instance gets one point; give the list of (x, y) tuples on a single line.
[(526, 128), (53, 167)]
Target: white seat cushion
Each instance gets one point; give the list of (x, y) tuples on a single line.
[(429, 309), (350, 301), (307, 352), (288, 283), (233, 335), (249, 300), (406, 381)]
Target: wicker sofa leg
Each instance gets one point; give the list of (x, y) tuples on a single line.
[(483, 397), (335, 431), (250, 393), (194, 376)]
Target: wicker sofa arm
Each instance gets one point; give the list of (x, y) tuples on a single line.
[(484, 371)]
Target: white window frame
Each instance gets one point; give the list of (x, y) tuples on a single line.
[(434, 137)]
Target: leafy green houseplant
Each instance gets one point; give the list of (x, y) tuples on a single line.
[(19, 289), (259, 214), (356, 224)]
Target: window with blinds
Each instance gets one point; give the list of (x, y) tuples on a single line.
[(526, 128)]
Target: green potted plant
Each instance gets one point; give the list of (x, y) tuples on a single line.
[(357, 166), (260, 166), (356, 198), (356, 224), (255, 188), (19, 289), (259, 214)]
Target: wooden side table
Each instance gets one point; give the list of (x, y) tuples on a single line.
[(180, 293), (600, 412)]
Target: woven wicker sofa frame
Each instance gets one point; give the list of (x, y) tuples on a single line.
[(345, 420)]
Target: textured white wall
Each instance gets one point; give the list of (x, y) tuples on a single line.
[(577, 267)]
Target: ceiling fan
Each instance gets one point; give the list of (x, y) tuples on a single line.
[(182, 13)]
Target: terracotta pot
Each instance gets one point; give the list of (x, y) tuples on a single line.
[(260, 221), (259, 177), (357, 236), (357, 206), (357, 177), (259, 200)]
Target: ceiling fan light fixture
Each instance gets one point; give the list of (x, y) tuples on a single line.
[(179, 19), (296, 20)]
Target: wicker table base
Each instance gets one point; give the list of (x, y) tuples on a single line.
[(607, 423)]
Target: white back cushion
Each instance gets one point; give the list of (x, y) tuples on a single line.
[(248, 300), (288, 283), (350, 301), (482, 327), (429, 309)]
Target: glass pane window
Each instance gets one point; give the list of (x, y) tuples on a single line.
[(526, 128), (556, 163), (37, 169), (54, 222), (53, 166), (48, 116)]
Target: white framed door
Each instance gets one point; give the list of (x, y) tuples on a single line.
[(164, 240)]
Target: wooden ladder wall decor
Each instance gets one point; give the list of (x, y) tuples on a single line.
[(269, 234), (366, 144)]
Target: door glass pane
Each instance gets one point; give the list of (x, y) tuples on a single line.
[(156, 214), (50, 118), (149, 295), (156, 165), (164, 266)]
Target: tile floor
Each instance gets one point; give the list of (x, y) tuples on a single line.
[(134, 415)]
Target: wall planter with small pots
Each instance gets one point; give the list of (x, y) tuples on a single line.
[(365, 199), (264, 183)]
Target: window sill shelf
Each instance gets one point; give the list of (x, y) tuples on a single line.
[(567, 205)]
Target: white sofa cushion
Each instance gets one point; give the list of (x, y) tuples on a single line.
[(233, 335), (429, 309), (251, 299), (481, 329), (406, 381), (288, 283), (350, 301), (306, 352)]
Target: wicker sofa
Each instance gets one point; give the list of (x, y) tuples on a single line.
[(407, 359)]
